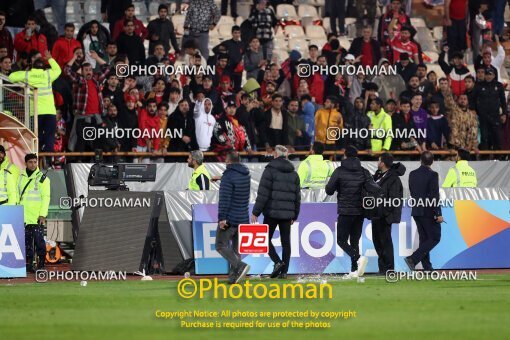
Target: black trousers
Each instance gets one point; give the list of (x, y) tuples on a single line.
[(338, 15), (381, 235), (430, 235), (233, 7), (34, 236), (284, 226), (47, 127), (456, 36), (490, 135), (349, 228)]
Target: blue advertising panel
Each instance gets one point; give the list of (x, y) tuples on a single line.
[(476, 235), (12, 242)]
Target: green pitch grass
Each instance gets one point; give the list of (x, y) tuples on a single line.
[(115, 310)]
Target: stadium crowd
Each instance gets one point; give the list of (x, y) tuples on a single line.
[(254, 100)]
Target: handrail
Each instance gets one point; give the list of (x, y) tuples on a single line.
[(260, 153)]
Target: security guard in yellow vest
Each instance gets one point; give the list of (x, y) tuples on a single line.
[(314, 171), (381, 125), (200, 180), (41, 79), (5, 164), (461, 175), (34, 196), (7, 180)]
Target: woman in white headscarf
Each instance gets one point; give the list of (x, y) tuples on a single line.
[(204, 123)]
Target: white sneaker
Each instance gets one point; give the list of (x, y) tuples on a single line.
[(350, 276), (362, 265)]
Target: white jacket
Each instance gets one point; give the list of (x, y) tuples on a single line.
[(204, 125)]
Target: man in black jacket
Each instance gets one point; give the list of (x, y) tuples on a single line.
[(490, 105), (349, 180), (113, 10), (181, 121), (162, 30), (356, 122), (387, 177), (279, 199), (424, 189), (366, 43), (233, 211), (131, 44)]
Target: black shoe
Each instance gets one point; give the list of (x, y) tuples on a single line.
[(242, 270), (278, 268), (40, 263), (282, 276), (232, 275), (409, 263)]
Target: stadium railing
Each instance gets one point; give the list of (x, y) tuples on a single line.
[(15, 101)]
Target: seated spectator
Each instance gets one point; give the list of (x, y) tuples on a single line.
[(63, 50), (437, 128), (30, 39), (181, 122), (131, 44), (228, 134), (456, 72), (327, 121), (128, 120)]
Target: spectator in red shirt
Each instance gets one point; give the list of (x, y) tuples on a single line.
[(129, 14), (29, 39), (368, 48), (149, 124), (393, 11), (63, 50), (455, 16), (403, 44)]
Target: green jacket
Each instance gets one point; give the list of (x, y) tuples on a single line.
[(461, 175), (381, 130), (36, 198), (40, 79), (13, 169), (200, 180), (314, 172)]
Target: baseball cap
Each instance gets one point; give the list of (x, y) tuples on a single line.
[(349, 57), (231, 101)]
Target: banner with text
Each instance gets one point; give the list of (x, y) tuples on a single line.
[(476, 235), (12, 242)]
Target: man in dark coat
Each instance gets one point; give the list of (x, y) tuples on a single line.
[(349, 180), (233, 211), (162, 30), (424, 187), (182, 121), (279, 199), (387, 177)]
